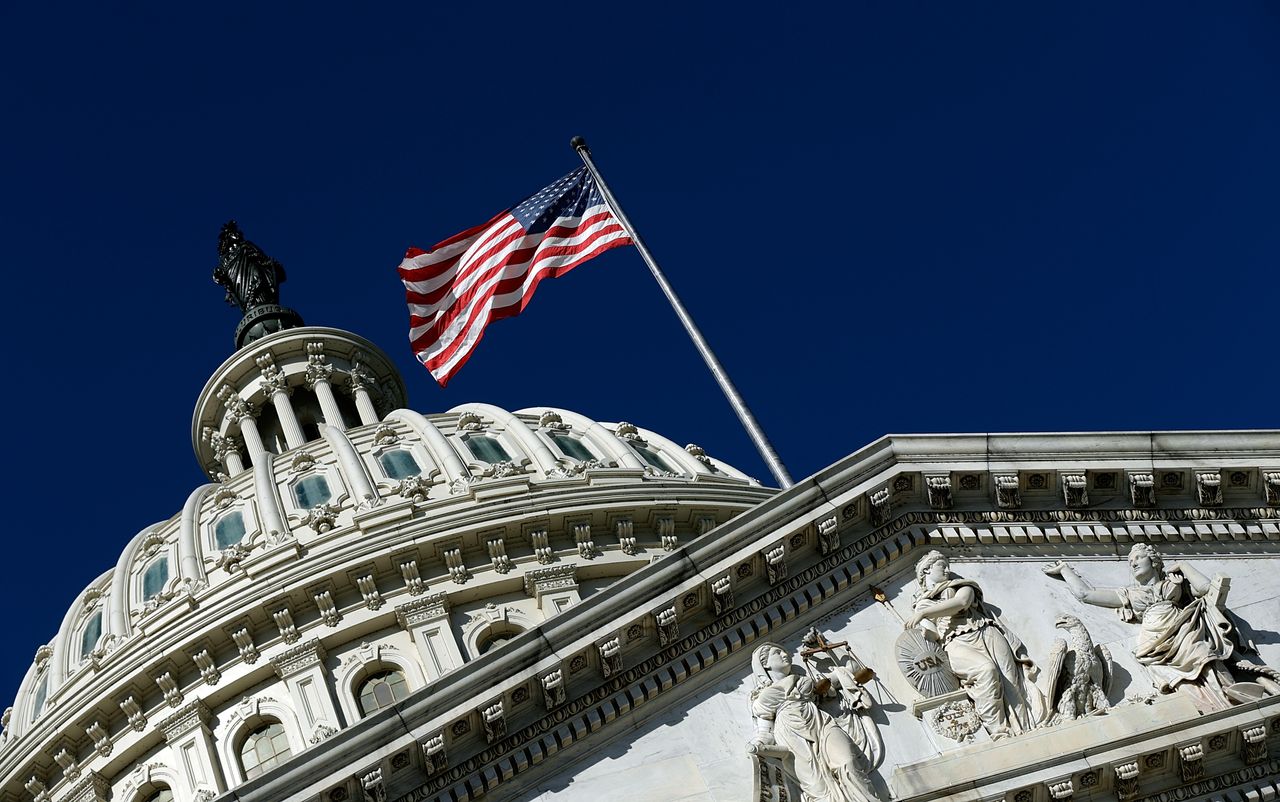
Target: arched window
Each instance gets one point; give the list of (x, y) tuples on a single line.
[(496, 637), (381, 691), (571, 447), (263, 749), (161, 795), (312, 491), (90, 635), (229, 530), (154, 577), (652, 457), (42, 693), (486, 449), (399, 464)]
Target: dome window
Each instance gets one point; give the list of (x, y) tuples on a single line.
[(90, 635), (155, 577), (229, 530), (382, 691), (399, 464), (652, 457), (42, 693), (312, 491), (264, 749), (486, 449), (497, 637), (572, 447)]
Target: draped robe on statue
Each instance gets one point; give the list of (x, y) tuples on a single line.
[(1178, 639), (814, 739), (990, 661)]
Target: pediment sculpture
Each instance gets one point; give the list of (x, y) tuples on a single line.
[(1079, 674), (1187, 638), (799, 742), (986, 658)]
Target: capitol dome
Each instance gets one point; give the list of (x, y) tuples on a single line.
[(346, 552)]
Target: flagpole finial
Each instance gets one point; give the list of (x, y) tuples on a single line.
[(578, 143)]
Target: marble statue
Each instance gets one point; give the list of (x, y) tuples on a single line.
[(1079, 674), (828, 762), (989, 660), (1186, 637)]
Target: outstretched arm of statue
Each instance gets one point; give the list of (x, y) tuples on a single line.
[(1081, 589), (941, 609)]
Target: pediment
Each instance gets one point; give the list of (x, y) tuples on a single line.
[(646, 689)]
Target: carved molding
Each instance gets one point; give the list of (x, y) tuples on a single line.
[(1209, 488), (243, 640), (626, 532), (420, 611), (284, 622), (494, 718), (541, 581), (939, 490), (541, 545), (169, 688), (775, 563), (1008, 497), (452, 555), (700, 454), (1271, 487), (582, 537), (1126, 780), (369, 592), (412, 579), (1142, 490), (133, 712), (208, 668), (1191, 762), (194, 714), (298, 658), (880, 506), (667, 624), (1075, 491)]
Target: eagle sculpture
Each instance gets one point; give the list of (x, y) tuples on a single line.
[(1079, 674)]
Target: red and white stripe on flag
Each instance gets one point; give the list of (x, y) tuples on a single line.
[(489, 272)]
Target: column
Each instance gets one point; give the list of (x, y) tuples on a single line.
[(360, 380), (191, 743), (242, 412), (276, 385), (427, 621), (302, 669), (228, 453), (318, 378)]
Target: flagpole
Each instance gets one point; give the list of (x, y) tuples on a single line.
[(726, 385)]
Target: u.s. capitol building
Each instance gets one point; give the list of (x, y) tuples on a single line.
[(369, 603)]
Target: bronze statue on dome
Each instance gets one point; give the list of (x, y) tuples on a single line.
[(250, 277)]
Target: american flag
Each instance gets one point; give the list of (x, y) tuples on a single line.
[(489, 272)]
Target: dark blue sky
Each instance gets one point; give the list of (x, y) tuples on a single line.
[(888, 217)]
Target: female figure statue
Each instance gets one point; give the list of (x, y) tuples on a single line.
[(1182, 637), (828, 766), (250, 277), (990, 662)]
